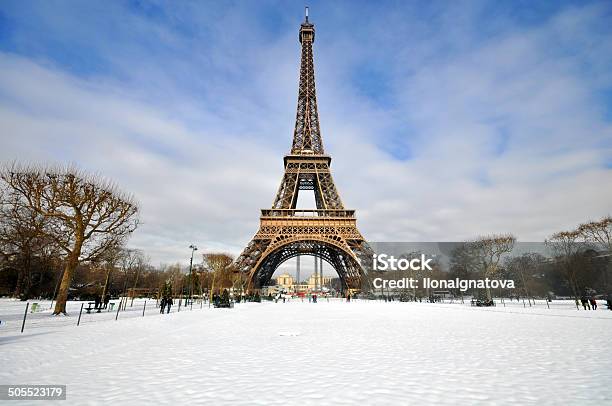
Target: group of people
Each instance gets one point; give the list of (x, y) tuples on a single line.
[(99, 303), (165, 304), (588, 302), (223, 299)]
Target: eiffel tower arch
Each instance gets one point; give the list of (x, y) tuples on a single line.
[(328, 231)]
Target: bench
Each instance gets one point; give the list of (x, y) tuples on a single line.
[(224, 305), (481, 303), (90, 307)]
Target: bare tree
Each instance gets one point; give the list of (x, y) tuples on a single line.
[(176, 279), (220, 266), (142, 262), (462, 264), (598, 232), (129, 260), (22, 239), (87, 215), (565, 246), (488, 251), (412, 273), (109, 262), (524, 266)]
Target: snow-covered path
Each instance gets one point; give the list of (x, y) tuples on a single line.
[(325, 353)]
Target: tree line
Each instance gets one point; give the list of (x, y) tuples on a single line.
[(64, 234), (572, 263)]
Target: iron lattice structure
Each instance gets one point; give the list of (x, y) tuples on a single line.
[(329, 231)]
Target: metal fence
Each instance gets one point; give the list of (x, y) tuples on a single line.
[(19, 316)]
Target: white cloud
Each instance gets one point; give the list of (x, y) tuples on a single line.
[(506, 135)]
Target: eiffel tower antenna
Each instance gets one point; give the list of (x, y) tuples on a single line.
[(307, 134), (327, 232)]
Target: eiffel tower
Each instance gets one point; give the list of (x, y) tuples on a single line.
[(329, 231)]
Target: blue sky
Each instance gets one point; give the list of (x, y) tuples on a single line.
[(446, 120)]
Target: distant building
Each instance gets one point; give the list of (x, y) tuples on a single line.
[(314, 282), (285, 281)]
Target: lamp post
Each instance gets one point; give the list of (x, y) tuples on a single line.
[(193, 249)]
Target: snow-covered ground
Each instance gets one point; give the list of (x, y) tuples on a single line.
[(325, 353)]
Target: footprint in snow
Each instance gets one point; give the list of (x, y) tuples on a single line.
[(288, 333)]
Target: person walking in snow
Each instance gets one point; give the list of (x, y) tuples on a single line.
[(162, 305), (584, 302), (593, 303), (106, 300), (169, 303), (97, 302)]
